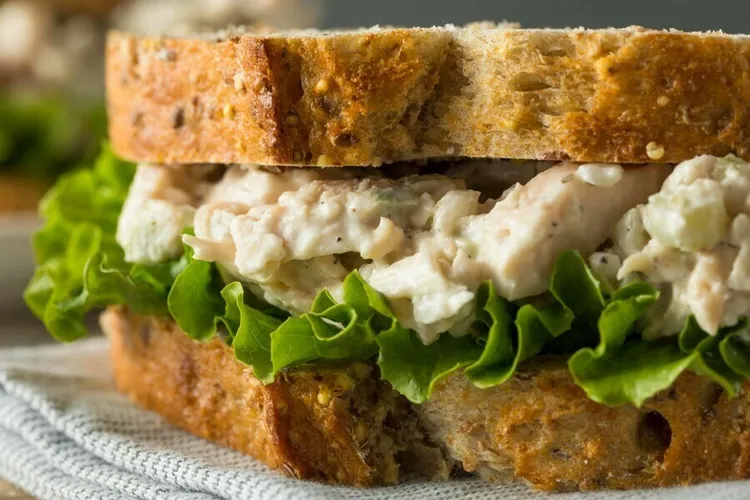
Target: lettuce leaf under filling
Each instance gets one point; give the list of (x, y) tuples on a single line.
[(81, 268)]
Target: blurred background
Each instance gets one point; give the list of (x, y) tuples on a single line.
[(696, 15), (52, 116)]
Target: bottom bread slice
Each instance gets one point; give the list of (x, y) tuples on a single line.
[(341, 424), (334, 424), (540, 426)]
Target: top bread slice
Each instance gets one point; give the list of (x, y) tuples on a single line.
[(384, 95)]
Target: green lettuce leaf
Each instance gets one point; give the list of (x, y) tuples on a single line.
[(614, 380), (333, 331), (494, 330), (508, 342), (81, 267), (622, 370), (706, 357), (265, 339), (735, 351), (336, 333), (578, 302), (200, 304), (251, 331), (413, 368), (575, 302), (576, 290), (195, 301), (638, 372)]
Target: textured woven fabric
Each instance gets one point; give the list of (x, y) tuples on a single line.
[(65, 433)]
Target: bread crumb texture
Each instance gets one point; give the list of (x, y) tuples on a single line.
[(384, 95), (334, 424), (339, 424), (542, 428)]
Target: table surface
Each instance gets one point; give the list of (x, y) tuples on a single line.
[(19, 328)]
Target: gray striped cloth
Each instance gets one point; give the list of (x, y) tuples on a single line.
[(65, 433)]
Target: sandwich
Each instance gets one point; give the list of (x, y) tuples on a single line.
[(362, 256)]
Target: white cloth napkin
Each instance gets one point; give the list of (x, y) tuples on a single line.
[(65, 433)]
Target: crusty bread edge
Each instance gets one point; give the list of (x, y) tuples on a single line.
[(380, 96)]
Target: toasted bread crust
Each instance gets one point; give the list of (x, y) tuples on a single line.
[(376, 96), (308, 424)]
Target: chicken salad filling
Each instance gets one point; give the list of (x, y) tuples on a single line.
[(691, 240), (426, 242), (633, 273)]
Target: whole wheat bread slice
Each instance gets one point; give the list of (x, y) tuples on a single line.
[(382, 95), (336, 424), (339, 424)]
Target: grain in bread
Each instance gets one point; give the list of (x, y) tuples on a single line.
[(335, 424), (541, 427), (383, 95), (339, 424)]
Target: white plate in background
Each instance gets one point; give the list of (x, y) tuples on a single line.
[(16, 257)]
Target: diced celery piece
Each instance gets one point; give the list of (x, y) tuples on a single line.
[(692, 217)]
